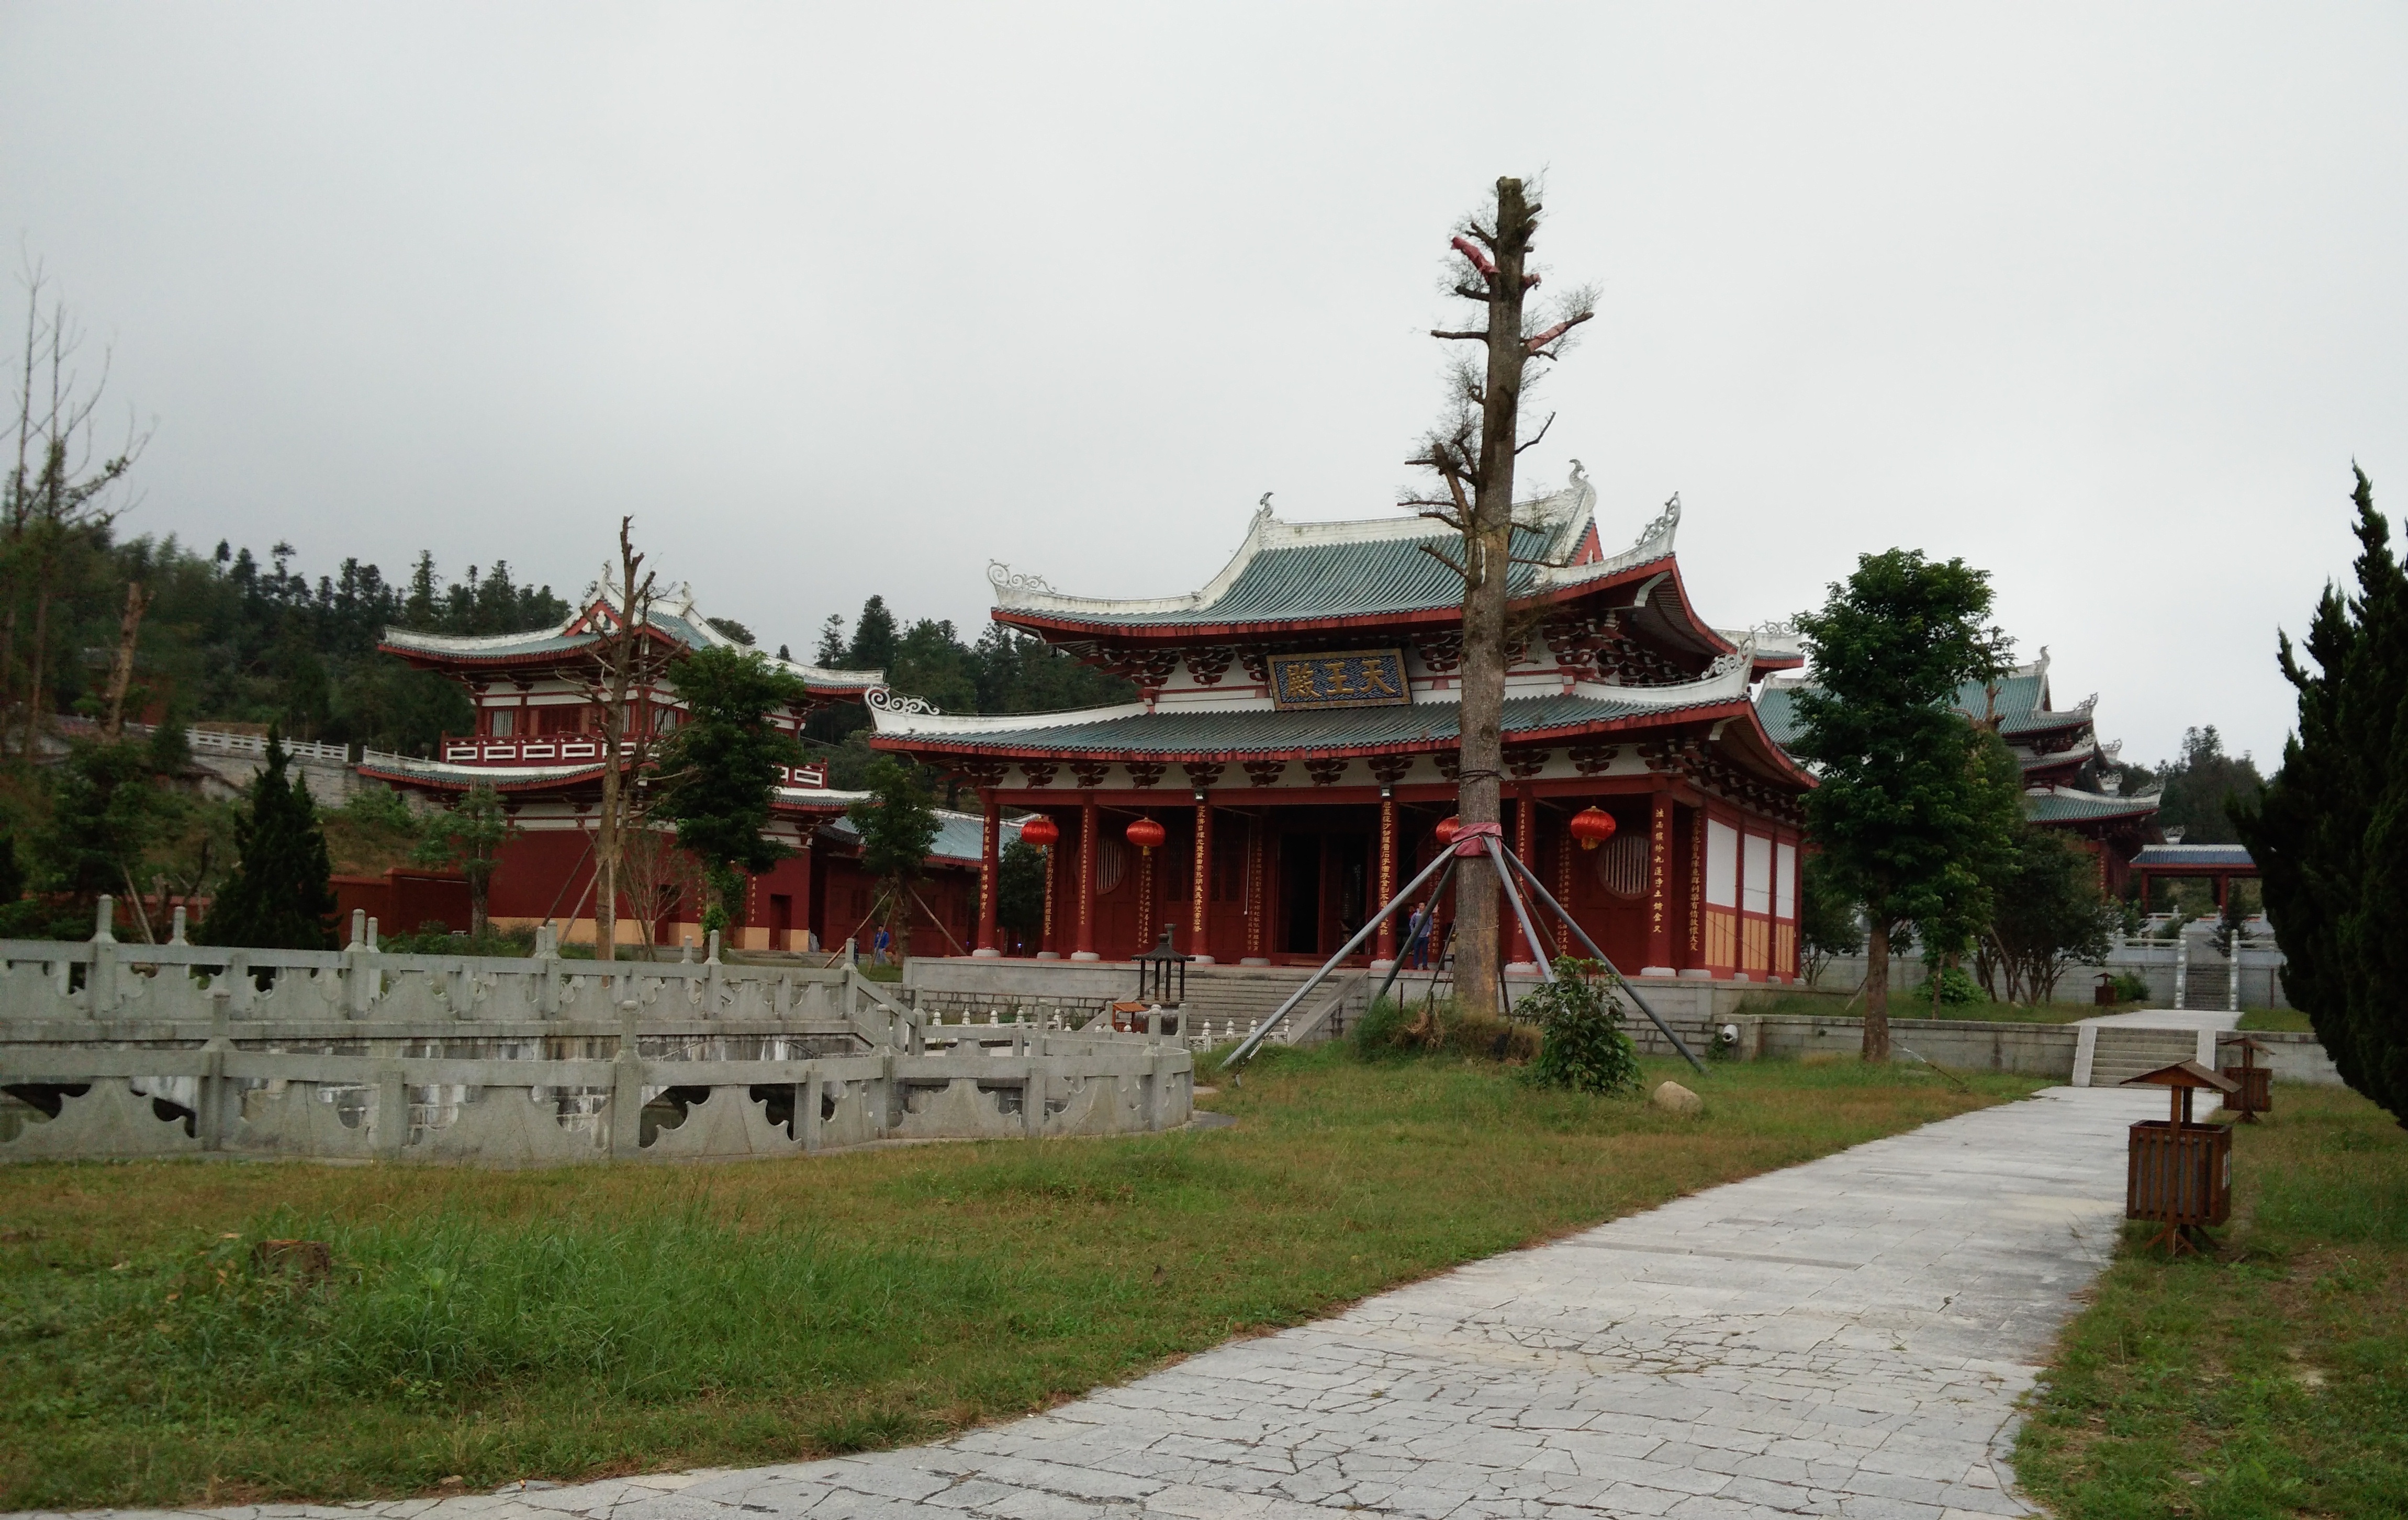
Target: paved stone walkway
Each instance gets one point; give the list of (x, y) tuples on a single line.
[(1843, 1338)]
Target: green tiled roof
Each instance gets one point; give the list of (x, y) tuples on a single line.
[(539, 641), (1336, 580), (2063, 807), (1223, 732), (960, 835), (2017, 706), (1776, 708)]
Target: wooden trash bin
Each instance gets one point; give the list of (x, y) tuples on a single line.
[(2256, 1083), (2179, 1173)]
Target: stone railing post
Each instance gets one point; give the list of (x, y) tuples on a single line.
[(101, 980), (2182, 969), (627, 1089), (2232, 977)]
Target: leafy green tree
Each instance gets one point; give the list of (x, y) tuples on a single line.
[(2049, 915), (1581, 1044), (468, 836), (718, 772), (108, 812), (278, 897), (2198, 786), (2331, 834), (1828, 924), (1897, 806), (1965, 898), (1020, 891), (897, 824)]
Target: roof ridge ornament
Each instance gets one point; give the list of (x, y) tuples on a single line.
[(1665, 522), (1000, 576), (885, 699)]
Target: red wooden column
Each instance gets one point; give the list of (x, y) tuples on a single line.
[(1566, 848), (1200, 898), (1520, 955), (1659, 887), (1089, 820), (1147, 895), (990, 877), (1383, 949), (1255, 895), (1045, 945)]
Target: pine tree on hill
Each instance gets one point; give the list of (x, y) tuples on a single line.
[(278, 897)]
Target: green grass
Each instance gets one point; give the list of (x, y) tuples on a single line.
[(574, 1323), (2277, 1018), (1904, 1006), (2273, 1381)]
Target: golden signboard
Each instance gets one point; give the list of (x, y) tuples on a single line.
[(1360, 678)]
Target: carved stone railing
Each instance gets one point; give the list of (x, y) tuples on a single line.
[(114, 1049)]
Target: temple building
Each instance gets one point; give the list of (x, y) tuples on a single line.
[(537, 743), (1293, 750), (2070, 779)]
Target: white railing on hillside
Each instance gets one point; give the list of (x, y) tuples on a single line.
[(218, 741)]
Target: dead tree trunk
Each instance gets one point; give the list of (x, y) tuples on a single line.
[(121, 671), (1474, 455), (624, 654)]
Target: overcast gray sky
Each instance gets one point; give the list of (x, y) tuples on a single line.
[(853, 298)]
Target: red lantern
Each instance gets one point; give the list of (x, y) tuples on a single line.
[(1592, 826), (1446, 829), (1040, 831), (1146, 834)]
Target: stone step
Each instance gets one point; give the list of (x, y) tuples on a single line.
[(2122, 1052)]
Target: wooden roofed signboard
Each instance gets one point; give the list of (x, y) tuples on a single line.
[(1361, 677)]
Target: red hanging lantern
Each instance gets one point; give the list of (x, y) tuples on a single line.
[(1040, 831), (1146, 834), (1592, 826), (1446, 829)]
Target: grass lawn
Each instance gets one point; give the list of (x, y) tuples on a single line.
[(2276, 1018), (2274, 1382), (580, 1322)]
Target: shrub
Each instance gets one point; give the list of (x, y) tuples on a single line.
[(2130, 989), (1957, 988), (1581, 1044)]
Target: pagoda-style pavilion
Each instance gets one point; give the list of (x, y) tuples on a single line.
[(2068, 782), (538, 742), (1294, 748)]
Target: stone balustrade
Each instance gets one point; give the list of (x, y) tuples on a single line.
[(114, 1049)]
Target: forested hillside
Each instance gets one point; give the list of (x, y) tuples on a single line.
[(226, 637)]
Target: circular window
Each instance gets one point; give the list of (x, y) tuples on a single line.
[(1112, 863), (1621, 865)]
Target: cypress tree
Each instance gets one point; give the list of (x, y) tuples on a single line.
[(278, 897), (2331, 833)]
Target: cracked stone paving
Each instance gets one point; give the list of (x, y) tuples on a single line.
[(1843, 1338)]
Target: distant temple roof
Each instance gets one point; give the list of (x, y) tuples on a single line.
[(961, 837), (2070, 805), (672, 617), (444, 775), (2194, 856)]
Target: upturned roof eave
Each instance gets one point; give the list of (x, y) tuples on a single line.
[(1204, 628), (1001, 747)]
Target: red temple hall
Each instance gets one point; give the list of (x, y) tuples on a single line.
[(1292, 752), (537, 743)]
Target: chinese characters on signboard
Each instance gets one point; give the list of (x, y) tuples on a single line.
[(1363, 678)]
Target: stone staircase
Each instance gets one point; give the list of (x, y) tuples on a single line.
[(2124, 1053)]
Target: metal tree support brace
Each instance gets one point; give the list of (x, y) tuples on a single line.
[(1471, 840)]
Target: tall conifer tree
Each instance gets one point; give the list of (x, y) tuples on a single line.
[(278, 897), (2332, 833)]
